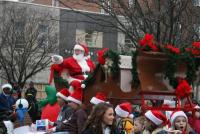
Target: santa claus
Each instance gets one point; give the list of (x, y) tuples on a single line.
[(75, 68)]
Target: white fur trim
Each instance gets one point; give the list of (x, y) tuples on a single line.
[(79, 47), (131, 116), (197, 107), (61, 96), (120, 112), (96, 101), (177, 114), (24, 102), (69, 98), (84, 66), (70, 79), (59, 61), (6, 86), (153, 118)]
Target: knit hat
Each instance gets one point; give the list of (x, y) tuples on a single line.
[(176, 114), (76, 96), (124, 110), (157, 117), (64, 93), (99, 98), (6, 86), (82, 47)]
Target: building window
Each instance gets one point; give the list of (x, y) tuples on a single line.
[(129, 45), (93, 39), (55, 3), (43, 35), (197, 29), (105, 4), (19, 32), (196, 2)]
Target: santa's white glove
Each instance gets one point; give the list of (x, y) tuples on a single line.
[(50, 123), (57, 59)]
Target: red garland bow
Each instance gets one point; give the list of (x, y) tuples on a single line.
[(100, 54), (148, 41), (173, 49), (183, 89)]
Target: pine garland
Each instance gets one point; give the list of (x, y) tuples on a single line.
[(171, 68), (135, 78), (114, 56)]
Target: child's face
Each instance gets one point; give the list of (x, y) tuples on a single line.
[(180, 123), (138, 127)]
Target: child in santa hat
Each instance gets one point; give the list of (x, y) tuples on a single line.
[(65, 111), (74, 124), (125, 118), (179, 121), (98, 98), (155, 121)]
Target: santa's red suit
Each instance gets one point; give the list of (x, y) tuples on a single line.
[(76, 70)]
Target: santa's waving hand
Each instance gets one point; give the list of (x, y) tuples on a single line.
[(75, 68)]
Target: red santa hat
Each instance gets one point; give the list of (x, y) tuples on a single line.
[(76, 96), (176, 114), (157, 117), (124, 110), (63, 93), (82, 47), (99, 98)]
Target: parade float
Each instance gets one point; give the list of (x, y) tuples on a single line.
[(154, 72)]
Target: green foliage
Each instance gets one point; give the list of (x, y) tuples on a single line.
[(114, 56), (135, 78)]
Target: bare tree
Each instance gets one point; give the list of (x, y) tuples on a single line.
[(170, 21), (26, 40)]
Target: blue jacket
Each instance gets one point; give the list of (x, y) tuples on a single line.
[(6, 102)]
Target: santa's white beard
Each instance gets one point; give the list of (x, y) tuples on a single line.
[(78, 57)]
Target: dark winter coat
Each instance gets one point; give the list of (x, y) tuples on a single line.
[(6, 102), (89, 131), (74, 124), (64, 114)]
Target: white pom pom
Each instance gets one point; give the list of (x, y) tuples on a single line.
[(131, 116), (23, 102), (83, 85)]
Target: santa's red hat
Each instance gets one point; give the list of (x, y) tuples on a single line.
[(99, 98), (82, 47), (63, 93), (176, 114), (76, 96), (124, 110), (157, 117)]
